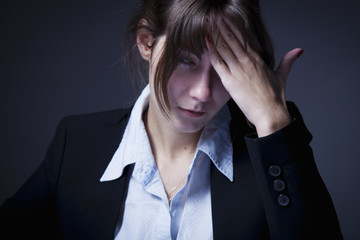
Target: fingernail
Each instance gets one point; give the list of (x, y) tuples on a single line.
[(300, 53), (208, 38)]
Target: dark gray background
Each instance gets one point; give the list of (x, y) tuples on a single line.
[(64, 57)]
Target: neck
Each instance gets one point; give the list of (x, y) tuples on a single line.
[(169, 145), (173, 150)]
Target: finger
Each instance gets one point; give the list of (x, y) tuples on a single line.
[(239, 36), (233, 40), (225, 50), (234, 29), (227, 54), (287, 61), (216, 60)]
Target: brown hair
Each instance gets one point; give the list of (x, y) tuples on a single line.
[(185, 24)]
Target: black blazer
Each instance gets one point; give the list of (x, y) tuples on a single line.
[(65, 199)]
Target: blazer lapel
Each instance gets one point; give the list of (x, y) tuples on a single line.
[(88, 208)]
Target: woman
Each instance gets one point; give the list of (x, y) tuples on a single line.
[(210, 149)]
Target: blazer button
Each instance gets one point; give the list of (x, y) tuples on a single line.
[(283, 200), (279, 185), (274, 170)]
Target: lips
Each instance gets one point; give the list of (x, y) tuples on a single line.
[(191, 113)]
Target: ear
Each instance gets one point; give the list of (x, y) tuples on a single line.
[(144, 42)]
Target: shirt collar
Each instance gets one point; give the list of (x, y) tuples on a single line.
[(130, 149), (134, 147), (216, 142)]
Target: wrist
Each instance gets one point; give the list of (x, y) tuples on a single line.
[(272, 123)]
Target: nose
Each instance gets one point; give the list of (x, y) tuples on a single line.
[(201, 88)]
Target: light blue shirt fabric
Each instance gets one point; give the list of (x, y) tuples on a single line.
[(147, 212)]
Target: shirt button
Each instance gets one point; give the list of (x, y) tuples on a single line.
[(279, 185), (283, 200), (147, 170), (274, 170)]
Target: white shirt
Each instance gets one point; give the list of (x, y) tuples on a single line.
[(147, 213)]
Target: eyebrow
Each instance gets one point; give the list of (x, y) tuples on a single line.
[(189, 53)]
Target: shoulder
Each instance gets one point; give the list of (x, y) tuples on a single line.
[(115, 116), (95, 124), (89, 139)]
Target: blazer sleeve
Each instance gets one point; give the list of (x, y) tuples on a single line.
[(296, 202), (32, 210)]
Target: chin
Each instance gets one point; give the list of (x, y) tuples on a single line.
[(188, 126)]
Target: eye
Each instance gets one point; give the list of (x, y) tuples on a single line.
[(187, 61)]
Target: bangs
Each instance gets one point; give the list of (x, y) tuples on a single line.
[(189, 24)]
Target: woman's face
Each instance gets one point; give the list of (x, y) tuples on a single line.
[(195, 90)]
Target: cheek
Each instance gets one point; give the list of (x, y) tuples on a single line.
[(177, 85), (220, 94), (221, 99), (174, 92)]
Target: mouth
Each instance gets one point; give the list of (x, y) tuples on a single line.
[(191, 113)]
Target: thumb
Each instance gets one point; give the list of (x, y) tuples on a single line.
[(287, 61)]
